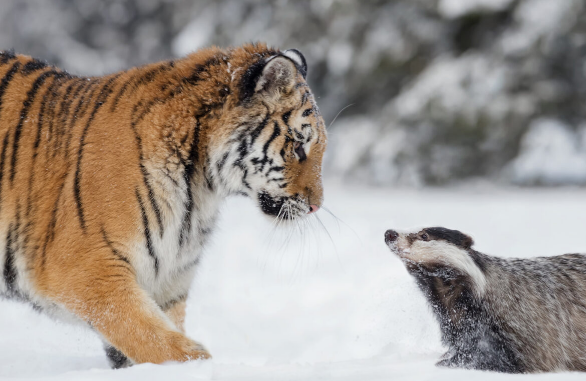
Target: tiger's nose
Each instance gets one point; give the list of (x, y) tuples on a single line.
[(391, 236), (313, 209)]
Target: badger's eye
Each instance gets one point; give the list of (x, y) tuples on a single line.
[(425, 237), (299, 151)]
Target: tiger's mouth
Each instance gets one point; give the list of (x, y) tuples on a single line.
[(282, 207)]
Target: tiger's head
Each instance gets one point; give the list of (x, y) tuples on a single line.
[(274, 138)]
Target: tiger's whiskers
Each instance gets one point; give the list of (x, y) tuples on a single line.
[(338, 114)]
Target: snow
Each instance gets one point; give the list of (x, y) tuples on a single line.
[(196, 34), (351, 140), (550, 154), (537, 20), (457, 8), (340, 57), (465, 85), (288, 306)]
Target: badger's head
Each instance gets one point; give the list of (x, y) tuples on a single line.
[(439, 253), (275, 136)]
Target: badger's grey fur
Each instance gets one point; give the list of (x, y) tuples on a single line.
[(506, 315)]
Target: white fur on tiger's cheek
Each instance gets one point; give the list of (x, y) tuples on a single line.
[(450, 255)]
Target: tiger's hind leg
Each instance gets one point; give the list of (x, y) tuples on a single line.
[(116, 358)]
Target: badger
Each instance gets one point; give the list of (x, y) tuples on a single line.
[(497, 314)]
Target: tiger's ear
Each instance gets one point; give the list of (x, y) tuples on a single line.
[(296, 56), (277, 77), (273, 76)]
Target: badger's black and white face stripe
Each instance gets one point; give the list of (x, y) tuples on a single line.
[(274, 152), (437, 251)]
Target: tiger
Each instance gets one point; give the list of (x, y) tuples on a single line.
[(110, 186)]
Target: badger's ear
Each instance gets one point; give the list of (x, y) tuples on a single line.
[(462, 240), (277, 77), (467, 241)]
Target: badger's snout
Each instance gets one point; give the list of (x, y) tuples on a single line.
[(391, 236)]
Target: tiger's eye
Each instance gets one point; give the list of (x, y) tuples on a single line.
[(299, 151), (425, 237)]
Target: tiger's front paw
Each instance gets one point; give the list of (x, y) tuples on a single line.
[(198, 352), (200, 355), (187, 349)]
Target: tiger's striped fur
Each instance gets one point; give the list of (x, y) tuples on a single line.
[(110, 186)]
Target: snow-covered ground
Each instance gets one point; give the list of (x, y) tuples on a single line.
[(301, 306)]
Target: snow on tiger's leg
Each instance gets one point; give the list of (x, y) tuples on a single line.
[(102, 290)]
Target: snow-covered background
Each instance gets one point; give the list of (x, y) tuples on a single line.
[(439, 91), (444, 106)]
